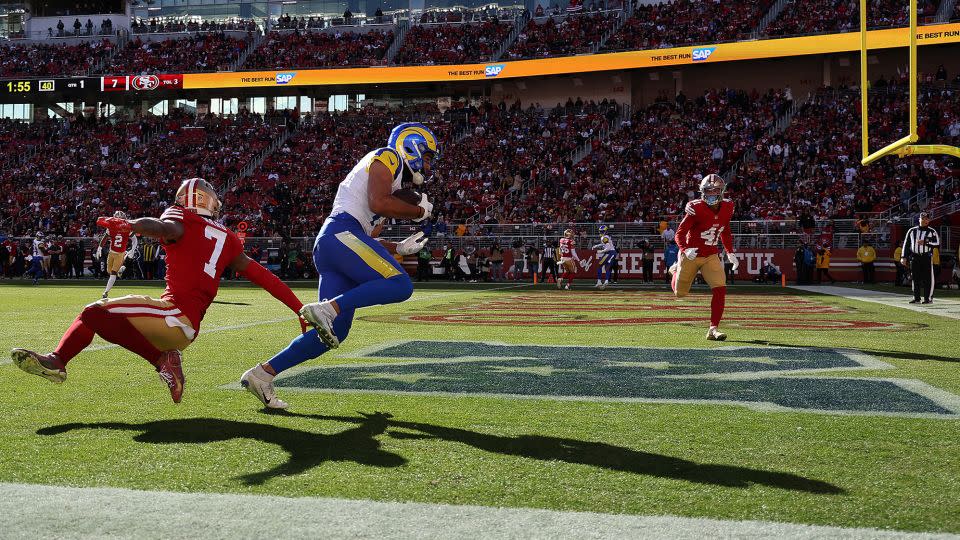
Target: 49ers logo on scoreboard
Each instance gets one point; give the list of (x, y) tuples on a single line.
[(145, 82)]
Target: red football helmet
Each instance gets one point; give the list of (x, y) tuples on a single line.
[(198, 195)]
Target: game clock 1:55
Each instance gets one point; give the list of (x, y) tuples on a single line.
[(18, 87)]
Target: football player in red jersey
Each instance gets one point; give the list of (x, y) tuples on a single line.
[(118, 237), (198, 251), (706, 221), (568, 259)]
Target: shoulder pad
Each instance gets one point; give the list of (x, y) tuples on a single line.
[(387, 156)]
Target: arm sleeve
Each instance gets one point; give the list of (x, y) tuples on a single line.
[(133, 244), (906, 246), (726, 237), (682, 231), (259, 275)]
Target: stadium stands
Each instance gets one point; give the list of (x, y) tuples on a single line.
[(32, 60), (573, 34), (451, 43), (662, 25), (652, 165), (94, 167), (814, 165), (819, 16), (286, 50), (191, 54)]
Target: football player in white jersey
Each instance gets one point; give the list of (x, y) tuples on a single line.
[(606, 255), (355, 269)]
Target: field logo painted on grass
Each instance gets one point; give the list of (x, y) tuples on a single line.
[(619, 308), (766, 378)]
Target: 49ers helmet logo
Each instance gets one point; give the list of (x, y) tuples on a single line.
[(145, 82)]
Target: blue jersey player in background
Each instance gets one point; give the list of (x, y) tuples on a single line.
[(606, 256), (355, 270)]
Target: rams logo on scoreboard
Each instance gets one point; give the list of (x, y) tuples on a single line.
[(46, 86)]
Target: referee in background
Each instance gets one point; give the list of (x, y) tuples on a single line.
[(918, 254)]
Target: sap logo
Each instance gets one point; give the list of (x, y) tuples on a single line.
[(284, 78), (703, 53), (493, 71)]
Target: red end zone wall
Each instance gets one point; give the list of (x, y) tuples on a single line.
[(843, 264)]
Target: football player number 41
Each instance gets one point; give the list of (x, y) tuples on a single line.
[(219, 237), (711, 235)]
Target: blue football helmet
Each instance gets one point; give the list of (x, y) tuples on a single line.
[(604, 229), (413, 141)]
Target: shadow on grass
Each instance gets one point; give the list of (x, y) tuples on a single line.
[(306, 450), (596, 454), (900, 355)]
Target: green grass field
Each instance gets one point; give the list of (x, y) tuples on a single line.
[(605, 401)]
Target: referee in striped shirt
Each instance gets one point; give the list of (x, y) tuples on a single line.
[(918, 254)]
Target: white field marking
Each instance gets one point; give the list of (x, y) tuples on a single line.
[(944, 307), (38, 512)]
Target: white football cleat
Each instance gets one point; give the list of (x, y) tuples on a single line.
[(715, 335), (321, 315), (567, 287), (598, 285), (604, 285), (560, 283), (122, 270), (256, 381)]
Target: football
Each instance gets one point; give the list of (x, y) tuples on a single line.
[(408, 195)]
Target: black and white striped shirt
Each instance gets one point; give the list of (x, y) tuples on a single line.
[(920, 241)]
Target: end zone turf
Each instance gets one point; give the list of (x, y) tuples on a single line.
[(458, 440)]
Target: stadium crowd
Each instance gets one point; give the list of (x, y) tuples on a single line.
[(158, 26), (283, 50), (814, 166), (52, 59), (570, 35), (452, 43), (95, 167), (662, 25), (653, 164), (819, 16), (191, 54)]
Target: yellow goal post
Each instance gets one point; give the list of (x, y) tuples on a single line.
[(905, 146)]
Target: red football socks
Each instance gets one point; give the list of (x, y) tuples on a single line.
[(115, 328), (74, 340), (717, 304)]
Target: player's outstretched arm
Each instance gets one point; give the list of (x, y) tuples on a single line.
[(383, 203), (164, 230), (266, 280)]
